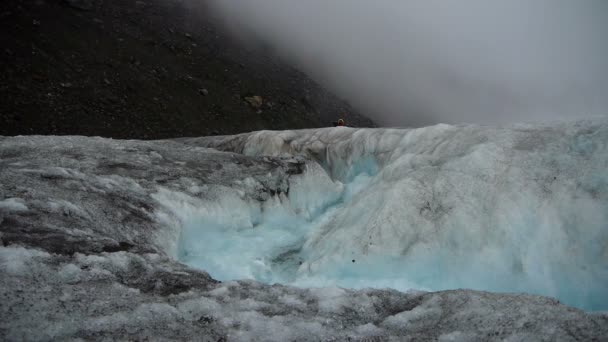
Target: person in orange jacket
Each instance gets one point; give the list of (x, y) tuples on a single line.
[(340, 122)]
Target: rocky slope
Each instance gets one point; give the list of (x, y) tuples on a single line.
[(145, 69)]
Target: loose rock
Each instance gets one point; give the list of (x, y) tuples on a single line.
[(255, 102)]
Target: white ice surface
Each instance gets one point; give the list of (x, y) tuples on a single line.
[(15, 260), (516, 209), (13, 204), (88, 259)]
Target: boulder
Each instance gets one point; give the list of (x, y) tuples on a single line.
[(255, 102)]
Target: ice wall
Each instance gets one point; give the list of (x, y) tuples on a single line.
[(522, 208)]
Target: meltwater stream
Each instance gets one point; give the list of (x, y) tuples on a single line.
[(516, 209)]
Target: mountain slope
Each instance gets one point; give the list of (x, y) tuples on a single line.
[(144, 69)]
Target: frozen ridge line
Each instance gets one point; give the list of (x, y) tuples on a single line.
[(92, 228)]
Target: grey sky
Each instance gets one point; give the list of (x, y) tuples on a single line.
[(413, 63)]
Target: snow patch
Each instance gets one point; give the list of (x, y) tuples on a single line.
[(194, 309), (13, 204), (67, 208), (69, 273), (15, 260)]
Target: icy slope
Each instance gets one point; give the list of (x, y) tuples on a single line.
[(517, 209), (90, 228)]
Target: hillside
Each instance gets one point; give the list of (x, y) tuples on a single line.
[(145, 69)]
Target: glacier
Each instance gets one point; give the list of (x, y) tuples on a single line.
[(446, 233), (514, 209)]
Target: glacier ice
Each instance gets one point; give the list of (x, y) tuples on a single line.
[(90, 228), (522, 208)]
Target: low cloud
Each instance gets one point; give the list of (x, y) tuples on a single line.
[(412, 63)]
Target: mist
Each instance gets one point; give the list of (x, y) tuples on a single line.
[(414, 63)]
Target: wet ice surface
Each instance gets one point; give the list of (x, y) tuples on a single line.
[(91, 229), (517, 209)]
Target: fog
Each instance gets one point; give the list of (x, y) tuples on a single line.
[(413, 63)]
